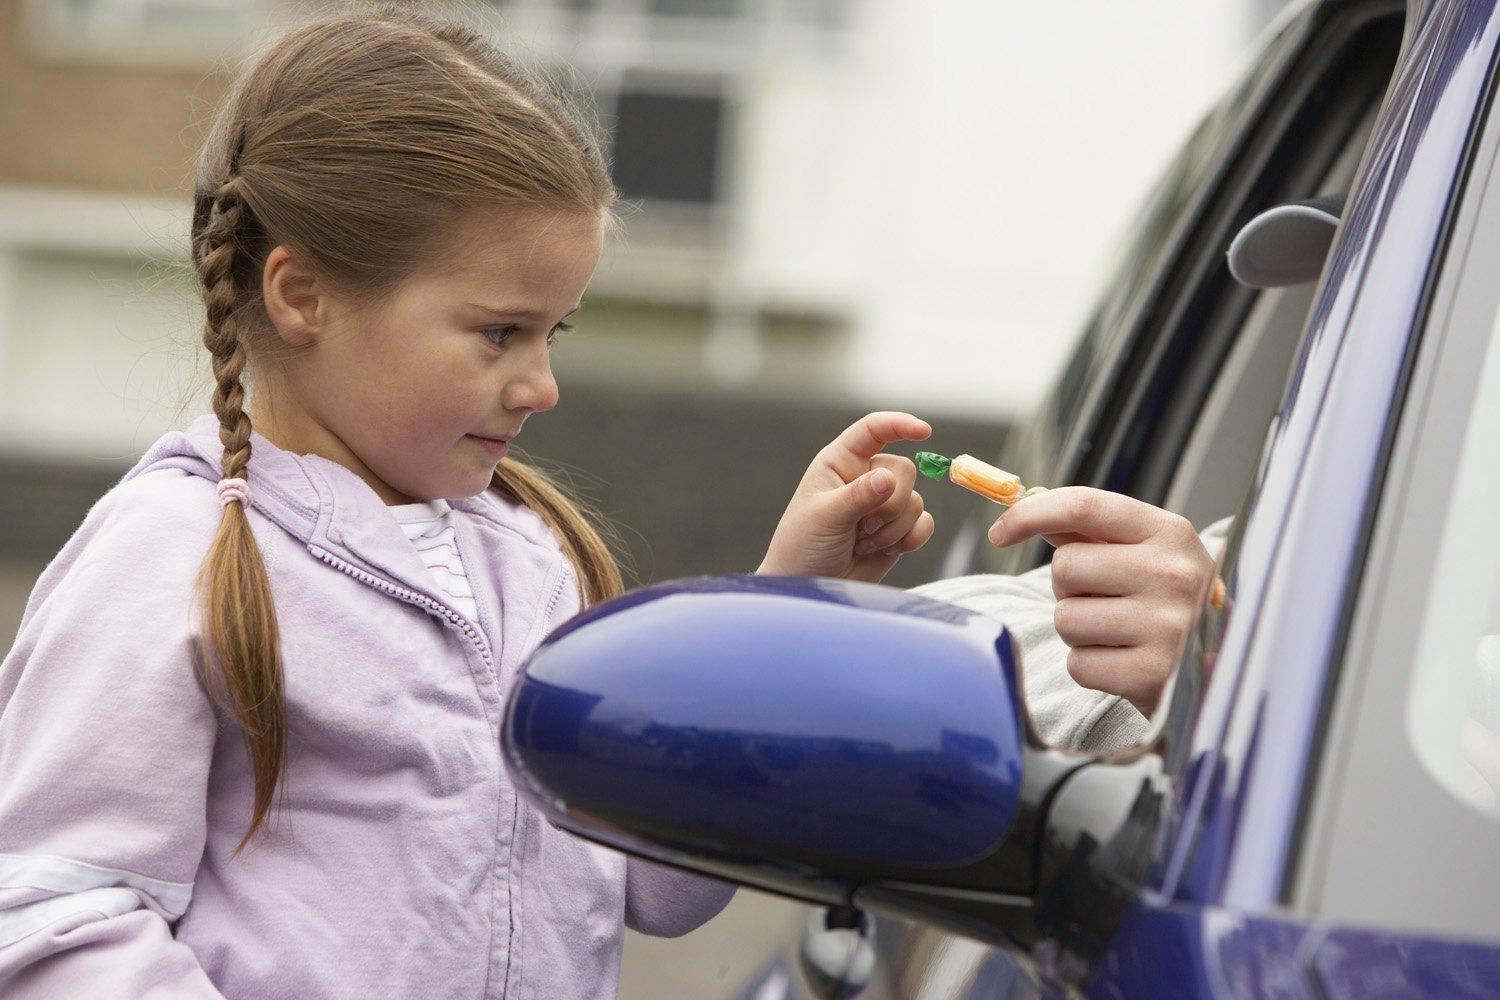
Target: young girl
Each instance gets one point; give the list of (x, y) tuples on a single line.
[(249, 727)]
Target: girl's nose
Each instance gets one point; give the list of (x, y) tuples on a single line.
[(534, 389)]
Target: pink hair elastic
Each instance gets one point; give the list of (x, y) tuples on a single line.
[(231, 490)]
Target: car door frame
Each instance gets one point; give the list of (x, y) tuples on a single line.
[(1256, 742)]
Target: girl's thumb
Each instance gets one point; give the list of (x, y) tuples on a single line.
[(867, 492)]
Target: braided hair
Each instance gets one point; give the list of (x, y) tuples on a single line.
[(240, 617)]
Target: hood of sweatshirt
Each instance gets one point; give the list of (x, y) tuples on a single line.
[(328, 506)]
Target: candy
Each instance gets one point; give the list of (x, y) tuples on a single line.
[(972, 474)]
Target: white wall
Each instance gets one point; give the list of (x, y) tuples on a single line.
[(99, 324), (962, 185)]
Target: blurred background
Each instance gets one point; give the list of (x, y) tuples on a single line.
[(833, 206)]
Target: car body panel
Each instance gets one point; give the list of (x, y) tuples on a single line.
[(1182, 950)]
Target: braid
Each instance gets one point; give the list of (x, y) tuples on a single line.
[(239, 613), (219, 243)]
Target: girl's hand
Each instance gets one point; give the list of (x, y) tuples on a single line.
[(1130, 581), (855, 511)]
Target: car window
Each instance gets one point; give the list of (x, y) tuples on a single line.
[(1215, 469), (1453, 704), (1126, 408), (1310, 143), (1032, 452)]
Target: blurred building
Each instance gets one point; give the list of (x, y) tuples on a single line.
[(835, 204)]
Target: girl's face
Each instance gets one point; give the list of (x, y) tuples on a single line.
[(421, 392)]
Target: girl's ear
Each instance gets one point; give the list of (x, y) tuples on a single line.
[(296, 300)]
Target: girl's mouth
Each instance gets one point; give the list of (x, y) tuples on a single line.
[(493, 446)]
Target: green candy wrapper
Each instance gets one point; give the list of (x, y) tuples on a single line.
[(932, 465)]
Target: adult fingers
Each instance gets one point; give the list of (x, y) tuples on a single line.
[(1099, 569), (1079, 510), (1169, 570), (1099, 621), (1135, 673)]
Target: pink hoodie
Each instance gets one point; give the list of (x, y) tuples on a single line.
[(401, 862)]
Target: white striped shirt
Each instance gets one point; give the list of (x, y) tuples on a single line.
[(430, 527)]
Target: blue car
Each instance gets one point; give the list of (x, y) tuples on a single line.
[(1316, 812)]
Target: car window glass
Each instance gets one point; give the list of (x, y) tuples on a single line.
[(1219, 458), (1453, 707), (1032, 452), (1036, 449)]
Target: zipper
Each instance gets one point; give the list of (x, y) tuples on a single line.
[(451, 618), (460, 624), (557, 593)]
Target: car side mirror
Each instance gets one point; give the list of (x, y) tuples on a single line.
[(843, 743)]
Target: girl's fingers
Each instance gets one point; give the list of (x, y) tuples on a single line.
[(889, 535), (918, 536), (862, 440), (873, 567), (856, 499), (905, 471)]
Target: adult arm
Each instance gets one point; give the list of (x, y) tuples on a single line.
[(1065, 713)]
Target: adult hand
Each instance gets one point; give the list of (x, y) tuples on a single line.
[(854, 513), (1130, 581)]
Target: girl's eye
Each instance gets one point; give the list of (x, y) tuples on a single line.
[(498, 335)]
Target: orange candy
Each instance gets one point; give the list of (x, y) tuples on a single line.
[(986, 480)]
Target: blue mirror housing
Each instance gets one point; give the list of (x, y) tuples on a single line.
[(806, 736)]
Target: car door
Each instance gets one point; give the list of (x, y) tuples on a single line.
[(1128, 405)]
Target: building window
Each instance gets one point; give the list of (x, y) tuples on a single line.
[(694, 8), (666, 145)]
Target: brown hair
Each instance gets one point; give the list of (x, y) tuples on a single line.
[(351, 140)]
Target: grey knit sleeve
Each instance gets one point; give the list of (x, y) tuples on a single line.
[(1064, 713)]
